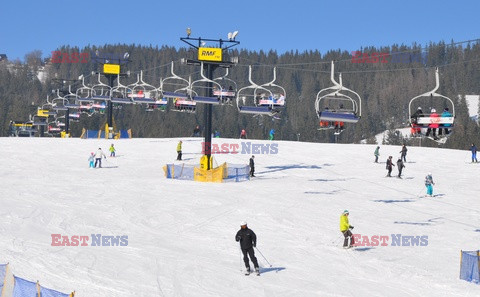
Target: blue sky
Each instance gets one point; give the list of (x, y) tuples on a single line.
[(279, 25)]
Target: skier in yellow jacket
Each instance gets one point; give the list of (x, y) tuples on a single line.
[(345, 229), (179, 151)]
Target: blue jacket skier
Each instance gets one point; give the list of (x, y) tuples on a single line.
[(473, 149), (91, 159), (429, 184)]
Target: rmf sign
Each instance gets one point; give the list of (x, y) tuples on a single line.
[(210, 54)]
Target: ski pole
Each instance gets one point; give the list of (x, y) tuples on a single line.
[(336, 240), (263, 256)]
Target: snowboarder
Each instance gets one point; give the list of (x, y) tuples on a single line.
[(389, 166), (377, 154), (404, 153), (400, 167), (112, 151), (271, 134), (91, 159), (429, 184), (248, 240), (243, 134), (179, 151), (98, 157), (252, 166), (473, 149), (345, 229)]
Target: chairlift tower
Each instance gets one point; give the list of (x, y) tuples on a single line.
[(111, 70), (211, 58)]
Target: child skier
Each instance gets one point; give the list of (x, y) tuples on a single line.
[(91, 159), (345, 229), (112, 151), (428, 183)]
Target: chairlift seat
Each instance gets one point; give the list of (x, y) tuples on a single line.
[(103, 98), (426, 120), (175, 95), (87, 99), (58, 108), (143, 100), (347, 117), (72, 106), (39, 123), (263, 110), (121, 100), (224, 93), (271, 102), (207, 100)]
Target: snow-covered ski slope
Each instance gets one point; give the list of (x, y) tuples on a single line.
[(181, 233)]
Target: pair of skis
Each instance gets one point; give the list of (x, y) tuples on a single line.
[(248, 272)]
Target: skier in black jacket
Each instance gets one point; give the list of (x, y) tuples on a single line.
[(389, 165), (252, 166), (248, 240)]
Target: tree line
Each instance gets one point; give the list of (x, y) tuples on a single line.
[(385, 88)]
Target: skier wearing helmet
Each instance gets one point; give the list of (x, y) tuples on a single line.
[(345, 229), (248, 240), (429, 184)]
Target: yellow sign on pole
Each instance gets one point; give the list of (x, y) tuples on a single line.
[(210, 54), (42, 112), (111, 68)]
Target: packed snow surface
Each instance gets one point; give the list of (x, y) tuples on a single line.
[(181, 233)]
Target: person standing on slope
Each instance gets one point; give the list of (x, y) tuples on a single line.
[(91, 159), (248, 240), (429, 184), (98, 157), (400, 167), (389, 166), (377, 154), (404, 153), (252, 166), (179, 151), (345, 229), (473, 149), (112, 151)]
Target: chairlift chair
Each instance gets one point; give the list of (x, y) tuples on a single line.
[(249, 98), (216, 100), (228, 90), (337, 114), (425, 120), (181, 96)]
